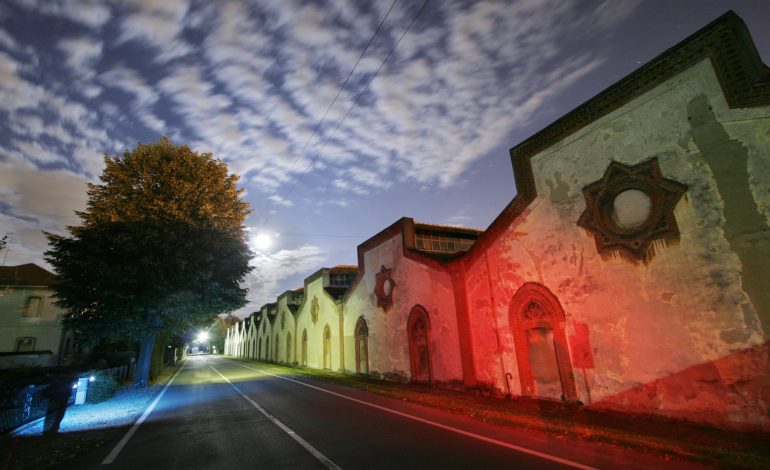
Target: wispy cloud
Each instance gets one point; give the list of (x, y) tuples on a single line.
[(158, 25), (81, 54), (278, 200), (252, 82), (31, 204), (91, 13), (270, 269)]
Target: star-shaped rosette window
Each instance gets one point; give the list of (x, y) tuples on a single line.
[(383, 288), (630, 207)]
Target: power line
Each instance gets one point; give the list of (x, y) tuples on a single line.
[(323, 118), (358, 97)]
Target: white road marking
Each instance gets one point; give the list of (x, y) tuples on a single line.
[(116, 450), (315, 452), (490, 440)]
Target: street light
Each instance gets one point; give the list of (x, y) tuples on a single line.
[(203, 337)]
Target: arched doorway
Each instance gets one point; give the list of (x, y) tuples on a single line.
[(418, 329), (267, 348), (362, 346), (259, 348), (304, 347), (327, 347), (537, 321), (288, 347)]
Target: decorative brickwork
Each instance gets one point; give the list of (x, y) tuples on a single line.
[(384, 287), (601, 203), (314, 310)]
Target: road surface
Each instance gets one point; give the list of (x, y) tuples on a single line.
[(226, 414)]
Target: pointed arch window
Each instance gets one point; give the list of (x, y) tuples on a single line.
[(362, 346), (418, 329), (542, 355)]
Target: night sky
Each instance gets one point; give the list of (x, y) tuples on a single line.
[(424, 134)]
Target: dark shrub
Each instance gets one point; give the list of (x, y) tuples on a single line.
[(102, 388)]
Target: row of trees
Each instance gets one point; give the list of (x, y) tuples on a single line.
[(161, 248)]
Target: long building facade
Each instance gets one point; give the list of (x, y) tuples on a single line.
[(628, 272)]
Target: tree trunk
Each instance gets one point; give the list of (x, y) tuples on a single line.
[(142, 375)]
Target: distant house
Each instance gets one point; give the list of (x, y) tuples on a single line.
[(31, 332)]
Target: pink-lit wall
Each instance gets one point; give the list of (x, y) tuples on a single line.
[(681, 334), (416, 284)]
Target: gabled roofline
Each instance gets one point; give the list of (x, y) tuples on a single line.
[(289, 292), (726, 41), (27, 275), (405, 226)]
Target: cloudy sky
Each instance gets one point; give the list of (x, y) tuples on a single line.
[(340, 116)]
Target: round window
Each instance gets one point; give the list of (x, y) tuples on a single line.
[(631, 209)]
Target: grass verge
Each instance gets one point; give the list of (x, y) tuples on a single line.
[(705, 445)]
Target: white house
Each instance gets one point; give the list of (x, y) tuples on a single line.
[(31, 332)]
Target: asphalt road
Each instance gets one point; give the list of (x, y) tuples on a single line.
[(224, 414)]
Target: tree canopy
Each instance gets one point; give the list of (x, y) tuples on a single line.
[(161, 248)]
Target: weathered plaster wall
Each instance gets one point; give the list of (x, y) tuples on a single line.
[(416, 284), (328, 314), (265, 332), (285, 328), (684, 334), (249, 340)]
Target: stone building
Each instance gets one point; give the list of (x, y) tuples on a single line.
[(628, 272), (403, 304), (31, 332), (318, 318)]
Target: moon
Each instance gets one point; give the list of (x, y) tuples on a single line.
[(262, 241)]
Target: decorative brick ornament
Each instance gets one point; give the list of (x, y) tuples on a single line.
[(630, 207), (314, 309), (384, 287)]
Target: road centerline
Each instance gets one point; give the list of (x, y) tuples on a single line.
[(429, 422), (309, 447)]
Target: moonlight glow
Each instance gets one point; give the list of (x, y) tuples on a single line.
[(262, 241)]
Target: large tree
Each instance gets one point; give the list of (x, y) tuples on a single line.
[(161, 248)]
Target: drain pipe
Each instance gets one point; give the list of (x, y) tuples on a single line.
[(508, 378)]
